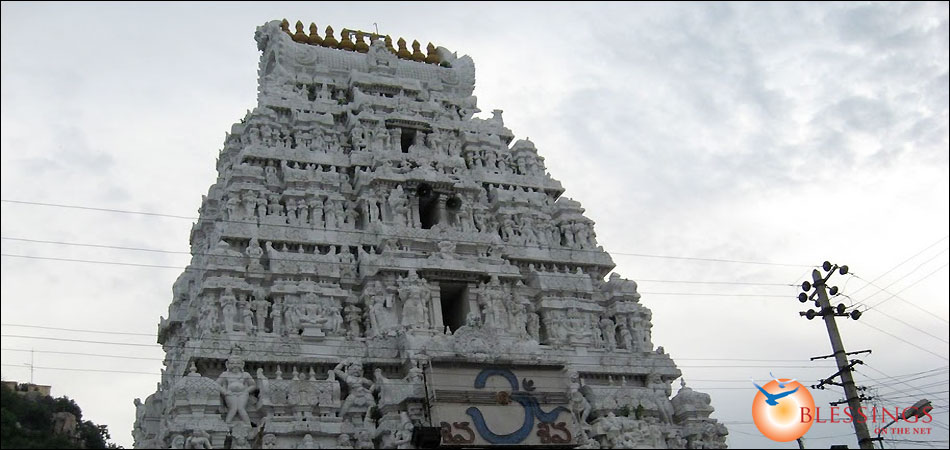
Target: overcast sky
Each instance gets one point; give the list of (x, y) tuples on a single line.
[(781, 133)]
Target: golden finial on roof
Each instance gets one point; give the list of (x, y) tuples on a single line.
[(328, 39), (300, 36), (345, 42), (361, 46), (389, 44), (403, 52), (432, 57), (417, 54), (285, 26), (314, 38)]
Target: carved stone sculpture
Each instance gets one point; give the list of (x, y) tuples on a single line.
[(363, 217)]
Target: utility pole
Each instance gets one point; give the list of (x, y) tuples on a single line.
[(841, 357)]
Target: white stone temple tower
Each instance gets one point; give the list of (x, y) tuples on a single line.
[(375, 268)]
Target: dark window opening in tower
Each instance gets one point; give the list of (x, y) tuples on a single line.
[(454, 300), (406, 139), (429, 210)]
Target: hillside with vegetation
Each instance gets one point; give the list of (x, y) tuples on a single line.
[(33, 420)]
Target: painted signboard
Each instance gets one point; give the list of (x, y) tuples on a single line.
[(499, 405)]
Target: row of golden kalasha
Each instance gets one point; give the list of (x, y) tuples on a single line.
[(346, 42)]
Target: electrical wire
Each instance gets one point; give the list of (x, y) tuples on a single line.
[(894, 295), (158, 266), (864, 322), (900, 264), (396, 235)]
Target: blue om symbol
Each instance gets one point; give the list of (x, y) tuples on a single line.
[(527, 400)]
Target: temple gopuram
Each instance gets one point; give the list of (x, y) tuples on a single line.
[(375, 267)]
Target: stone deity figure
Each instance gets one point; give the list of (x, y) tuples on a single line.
[(261, 207), (576, 328), (303, 212), (596, 333), (308, 442), (178, 442), (207, 317), (661, 392), (269, 441), (276, 316), (292, 212), (402, 437), (254, 252), (351, 216), (236, 385), (247, 316), (228, 310), (316, 213), (334, 317), (608, 327), (199, 439), (330, 214), (568, 234), (380, 315), (360, 394), (249, 199), (260, 305), (273, 205), (518, 319), (626, 337), (581, 235), (352, 314), (270, 173), (418, 145), (415, 294), (399, 206), (347, 262), (556, 330), (239, 441), (232, 208), (344, 441), (579, 404)]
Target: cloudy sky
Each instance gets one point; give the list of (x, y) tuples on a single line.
[(776, 133)]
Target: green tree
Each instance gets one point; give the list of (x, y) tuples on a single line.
[(26, 421)]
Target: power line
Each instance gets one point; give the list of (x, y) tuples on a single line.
[(883, 289), (900, 264), (253, 340), (45, 338), (903, 340), (644, 255), (87, 370), (894, 295), (339, 263), (74, 244), (914, 327), (377, 345), (257, 340), (158, 266), (724, 380), (895, 379), (155, 266), (76, 330), (939, 369), (82, 354)]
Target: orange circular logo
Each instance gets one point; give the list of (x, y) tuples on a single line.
[(777, 409)]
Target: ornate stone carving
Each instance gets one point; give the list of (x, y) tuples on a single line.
[(236, 386), (363, 217)]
